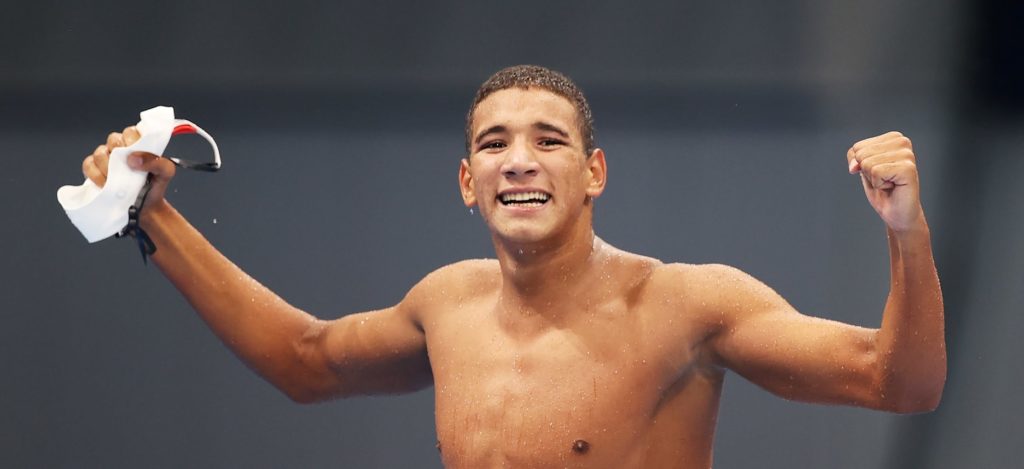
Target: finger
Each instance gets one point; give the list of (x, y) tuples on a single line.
[(888, 176), (866, 181), (142, 161), (130, 135), (100, 159), (93, 173), (162, 170), (868, 148), (852, 162), (883, 146), (114, 140), (894, 156)]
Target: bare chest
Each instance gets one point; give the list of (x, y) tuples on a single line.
[(560, 397)]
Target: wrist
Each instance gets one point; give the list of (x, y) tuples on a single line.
[(908, 239), (153, 212), (912, 230)]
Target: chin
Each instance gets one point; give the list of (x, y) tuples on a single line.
[(521, 233), (521, 236)]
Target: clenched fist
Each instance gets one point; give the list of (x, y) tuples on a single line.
[(888, 171), (95, 165)]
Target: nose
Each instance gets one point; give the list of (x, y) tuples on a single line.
[(520, 161)]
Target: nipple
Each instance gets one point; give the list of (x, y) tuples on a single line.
[(580, 446)]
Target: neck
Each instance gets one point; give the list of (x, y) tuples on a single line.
[(538, 274)]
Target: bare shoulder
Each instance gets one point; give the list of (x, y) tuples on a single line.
[(706, 281), (470, 273), (715, 295), (694, 279), (453, 283)]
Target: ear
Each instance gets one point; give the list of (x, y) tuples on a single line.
[(466, 184), (598, 172)]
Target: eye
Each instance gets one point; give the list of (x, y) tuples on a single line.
[(551, 142), (492, 145)]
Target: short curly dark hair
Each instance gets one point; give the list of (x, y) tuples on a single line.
[(526, 76)]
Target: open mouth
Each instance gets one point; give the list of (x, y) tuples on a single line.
[(524, 199)]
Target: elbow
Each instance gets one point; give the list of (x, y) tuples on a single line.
[(909, 386), (920, 396), (301, 396), (917, 405)]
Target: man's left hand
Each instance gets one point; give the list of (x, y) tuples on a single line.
[(888, 170)]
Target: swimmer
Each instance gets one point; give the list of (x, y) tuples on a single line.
[(565, 351)]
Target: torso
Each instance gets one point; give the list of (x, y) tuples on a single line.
[(616, 381)]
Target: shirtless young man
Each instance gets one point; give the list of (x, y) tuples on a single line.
[(565, 351)]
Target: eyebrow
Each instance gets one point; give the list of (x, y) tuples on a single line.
[(497, 129), (551, 128)]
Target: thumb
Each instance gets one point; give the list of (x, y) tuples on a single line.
[(162, 170)]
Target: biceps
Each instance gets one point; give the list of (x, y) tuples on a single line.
[(373, 353), (803, 358)]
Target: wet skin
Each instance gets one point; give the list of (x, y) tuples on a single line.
[(610, 377), (564, 351)]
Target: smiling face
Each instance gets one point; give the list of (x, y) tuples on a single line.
[(527, 170)]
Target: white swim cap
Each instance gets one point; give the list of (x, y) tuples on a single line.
[(100, 213)]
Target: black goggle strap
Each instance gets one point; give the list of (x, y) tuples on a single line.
[(146, 245)]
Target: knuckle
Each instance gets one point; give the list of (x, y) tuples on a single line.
[(113, 139)]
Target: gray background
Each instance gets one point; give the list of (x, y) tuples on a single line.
[(725, 124)]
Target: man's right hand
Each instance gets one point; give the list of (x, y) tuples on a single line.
[(95, 165)]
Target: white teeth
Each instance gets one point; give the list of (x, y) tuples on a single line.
[(524, 196)]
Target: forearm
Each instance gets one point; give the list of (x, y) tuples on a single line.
[(911, 342), (256, 324)]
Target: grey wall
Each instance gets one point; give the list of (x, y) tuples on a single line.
[(726, 126)]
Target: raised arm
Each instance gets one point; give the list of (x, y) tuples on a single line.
[(900, 366), (308, 359)]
